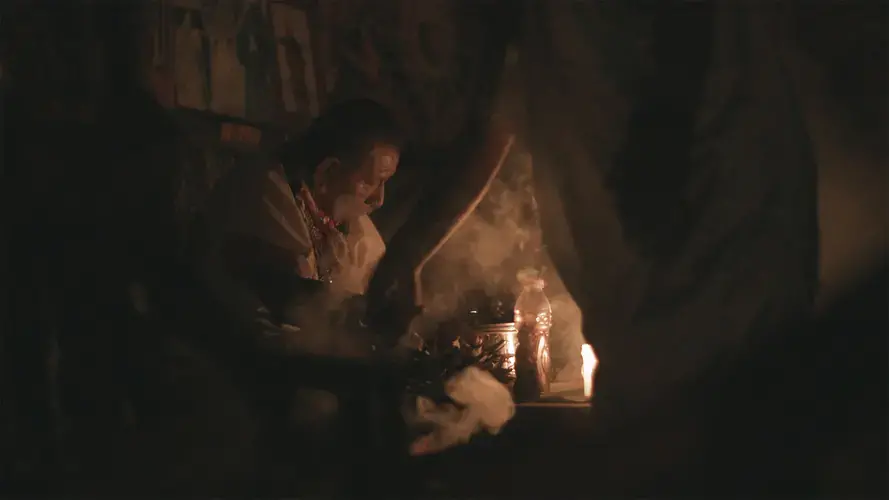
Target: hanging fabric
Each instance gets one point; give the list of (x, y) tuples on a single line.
[(189, 66), (222, 23)]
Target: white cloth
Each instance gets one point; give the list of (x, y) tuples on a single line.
[(487, 406)]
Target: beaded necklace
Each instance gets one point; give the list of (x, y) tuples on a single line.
[(321, 228)]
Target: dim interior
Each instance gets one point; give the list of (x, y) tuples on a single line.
[(337, 248)]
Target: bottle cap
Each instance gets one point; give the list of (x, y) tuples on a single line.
[(529, 277)]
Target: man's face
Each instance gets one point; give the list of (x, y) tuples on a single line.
[(362, 189)]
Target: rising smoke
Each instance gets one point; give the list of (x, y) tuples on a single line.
[(491, 246), (501, 239)]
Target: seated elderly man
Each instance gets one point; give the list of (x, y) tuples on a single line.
[(286, 230), (291, 240), (293, 243)]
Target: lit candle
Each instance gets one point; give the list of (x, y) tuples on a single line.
[(587, 369)]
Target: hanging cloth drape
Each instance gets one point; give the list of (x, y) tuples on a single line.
[(222, 23), (676, 182)]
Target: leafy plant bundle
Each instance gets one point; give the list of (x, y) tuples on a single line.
[(432, 366)]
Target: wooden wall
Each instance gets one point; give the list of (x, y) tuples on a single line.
[(275, 63)]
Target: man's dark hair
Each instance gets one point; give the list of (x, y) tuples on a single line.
[(346, 130)]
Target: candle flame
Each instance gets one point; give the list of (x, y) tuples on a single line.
[(587, 368)]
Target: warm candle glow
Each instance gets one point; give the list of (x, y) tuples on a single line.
[(511, 350), (510, 344), (587, 368)]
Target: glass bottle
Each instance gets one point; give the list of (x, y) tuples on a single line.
[(533, 320)]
